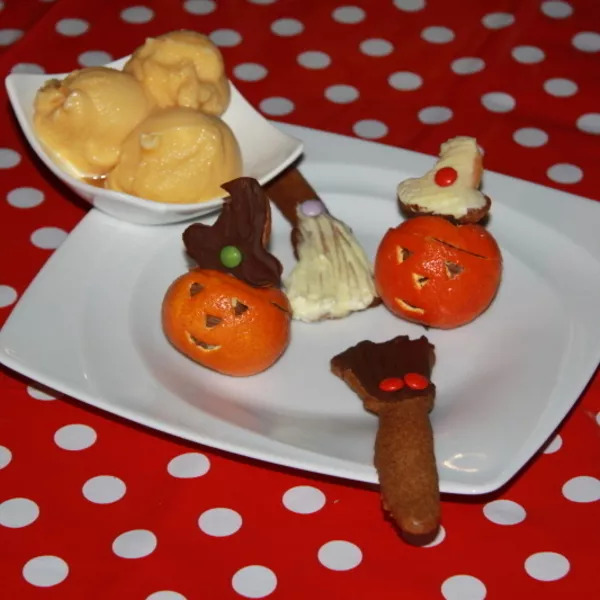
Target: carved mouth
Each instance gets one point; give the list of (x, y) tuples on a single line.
[(408, 307), (201, 344)]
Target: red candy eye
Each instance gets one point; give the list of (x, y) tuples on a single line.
[(415, 381), (391, 384), (445, 176)]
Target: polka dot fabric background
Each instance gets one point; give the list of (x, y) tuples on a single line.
[(95, 507)]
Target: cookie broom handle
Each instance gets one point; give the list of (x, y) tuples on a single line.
[(405, 462), (289, 189)]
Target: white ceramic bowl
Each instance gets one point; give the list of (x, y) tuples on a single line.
[(266, 151)]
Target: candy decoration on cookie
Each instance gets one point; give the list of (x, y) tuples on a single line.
[(228, 313), (404, 453), (433, 272), (451, 188), (333, 276)]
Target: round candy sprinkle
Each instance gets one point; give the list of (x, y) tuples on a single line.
[(416, 381), (230, 256), (445, 176), (312, 208), (391, 384)]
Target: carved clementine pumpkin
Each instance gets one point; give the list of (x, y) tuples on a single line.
[(225, 324), (431, 271)]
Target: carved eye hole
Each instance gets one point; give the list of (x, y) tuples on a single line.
[(239, 308), (212, 321), (402, 254), (195, 288), (419, 280), (453, 270)]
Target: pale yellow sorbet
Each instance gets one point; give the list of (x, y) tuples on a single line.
[(83, 119), (182, 68), (177, 155)]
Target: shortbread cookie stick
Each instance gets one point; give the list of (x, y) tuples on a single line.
[(393, 380)]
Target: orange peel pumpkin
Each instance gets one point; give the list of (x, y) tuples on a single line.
[(436, 273)]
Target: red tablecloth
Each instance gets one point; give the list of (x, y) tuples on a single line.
[(95, 507)]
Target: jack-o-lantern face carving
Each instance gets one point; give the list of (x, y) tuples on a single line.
[(225, 324), (433, 272)]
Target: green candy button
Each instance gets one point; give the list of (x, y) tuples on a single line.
[(230, 256)]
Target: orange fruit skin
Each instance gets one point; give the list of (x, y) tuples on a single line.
[(240, 343), (430, 271)]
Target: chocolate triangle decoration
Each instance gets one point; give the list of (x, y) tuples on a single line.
[(236, 242)]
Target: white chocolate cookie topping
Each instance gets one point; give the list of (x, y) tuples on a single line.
[(332, 277), (451, 187)]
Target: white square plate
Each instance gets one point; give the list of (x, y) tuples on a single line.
[(266, 151), (89, 326)]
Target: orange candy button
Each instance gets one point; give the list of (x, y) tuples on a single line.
[(391, 384), (415, 381)]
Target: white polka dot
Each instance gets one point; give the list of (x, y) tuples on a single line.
[(504, 512), (499, 102), (405, 81), (554, 446), (287, 27), (587, 41), (30, 68), (304, 499), (137, 15), (166, 595), (463, 587), (18, 512), (409, 5), (557, 10), (250, 71), (8, 295), (254, 581), (547, 566), (341, 94), (75, 437), (530, 137), (220, 522), (199, 7), (45, 571), (582, 489), (439, 538), (277, 106), (348, 14), (528, 54), (39, 394), (5, 456), (560, 87), (9, 36), (225, 37), (435, 114), (94, 58), (48, 238), (376, 47), (313, 59), (104, 489), (72, 27), (370, 129), (25, 197), (498, 20), (590, 123), (188, 465), (437, 35), (467, 65), (134, 544), (598, 418), (9, 158), (339, 555), (565, 173)]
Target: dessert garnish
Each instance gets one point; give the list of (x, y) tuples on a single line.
[(236, 242), (393, 379), (451, 188)]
